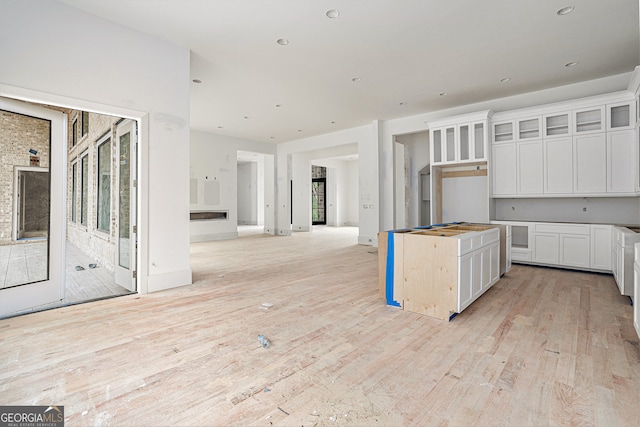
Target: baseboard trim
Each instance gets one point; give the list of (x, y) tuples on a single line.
[(213, 237)]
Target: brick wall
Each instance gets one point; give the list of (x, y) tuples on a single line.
[(19, 134)]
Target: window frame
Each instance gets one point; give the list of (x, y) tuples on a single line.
[(84, 178), (106, 139)]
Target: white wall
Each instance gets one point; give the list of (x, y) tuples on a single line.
[(416, 158), (55, 54), (248, 193), (214, 157), (352, 193), (364, 140), (605, 210), (339, 186)]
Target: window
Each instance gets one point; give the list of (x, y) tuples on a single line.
[(85, 123), (74, 132), (103, 202), (84, 195), (74, 191)]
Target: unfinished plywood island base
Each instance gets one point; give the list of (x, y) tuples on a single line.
[(438, 270)]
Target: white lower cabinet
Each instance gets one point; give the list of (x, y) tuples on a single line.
[(546, 248), (582, 246), (478, 270), (600, 253), (574, 250)]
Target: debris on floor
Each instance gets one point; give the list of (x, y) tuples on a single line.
[(79, 268), (283, 410), (92, 265), (266, 305), (264, 341)]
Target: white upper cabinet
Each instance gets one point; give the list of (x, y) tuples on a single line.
[(460, 139), (558, 166), (504, 172), (530, 167), (589, 146), (621, 161), (503, 132), (436, 146), (529, 128), (590, 160), (588, 120), (557, 125), (621, 116)]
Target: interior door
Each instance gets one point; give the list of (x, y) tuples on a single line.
[(126, 228), (34, 268)]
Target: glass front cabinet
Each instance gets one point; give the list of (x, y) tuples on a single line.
[(461, 142)]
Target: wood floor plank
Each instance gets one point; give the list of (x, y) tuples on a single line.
[(541, 347)]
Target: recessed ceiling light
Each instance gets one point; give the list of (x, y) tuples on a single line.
[(505, 80), (355, 79), (196, 81), (403, 103), (332, 13), (333, 123), (570, 64), (565, 10), (282, 42), (299, 130), (220, 127), (272, 137), (443, 94), (278, 105), (246, 117)]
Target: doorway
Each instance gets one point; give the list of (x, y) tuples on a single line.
[(31, 201), (49, 259), (318, 201)]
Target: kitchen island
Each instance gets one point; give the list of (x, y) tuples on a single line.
[(438, 270)]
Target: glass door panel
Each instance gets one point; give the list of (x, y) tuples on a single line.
[(32, 147), (126, 227)]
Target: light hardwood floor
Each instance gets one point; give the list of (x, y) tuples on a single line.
[(542, 347)]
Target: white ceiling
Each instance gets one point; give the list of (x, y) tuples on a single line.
[(403, 51)]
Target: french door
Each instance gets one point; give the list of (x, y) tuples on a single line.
[(126, 228), (32, 138)]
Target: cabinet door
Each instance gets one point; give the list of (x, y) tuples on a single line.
[(529, 128), (574, 250), (621, 159), (437, 152), (600, 254), (495, 263), (476, 284), (546, 248), (503, 132), (558, 166), (486, 267), (530, 167), (589, 120), (557, 125), (465, 281), (464, 143), (590, 167), (479, 141), (504, 169), (621, 116), (450, 154)]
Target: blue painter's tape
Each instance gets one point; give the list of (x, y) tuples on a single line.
[(438, 225), (399, 230), (390, 272), (423, 227)]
